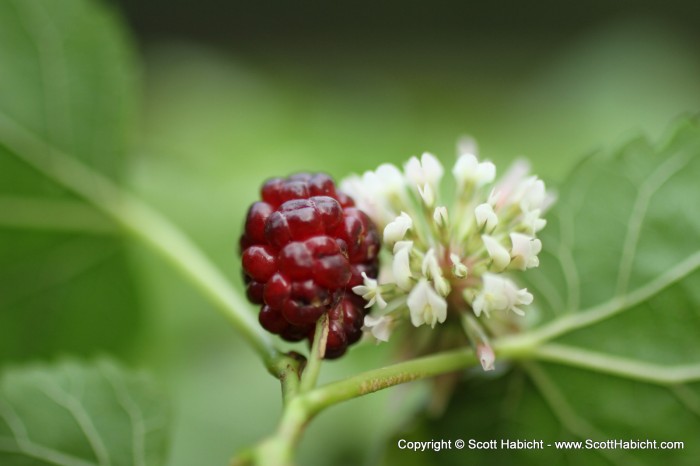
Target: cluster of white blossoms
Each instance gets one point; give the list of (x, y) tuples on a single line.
[(452, 255)]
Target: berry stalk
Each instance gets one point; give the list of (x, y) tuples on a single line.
[(318, 351)]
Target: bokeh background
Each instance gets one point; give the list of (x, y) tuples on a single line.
[(235, 92)]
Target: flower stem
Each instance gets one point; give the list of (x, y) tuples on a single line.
[(278, 450), (318, 351), (288, 370), (385, 377)]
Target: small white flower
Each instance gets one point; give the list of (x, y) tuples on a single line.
[(432, 271), (505, 190), (459, 270), (379, 327), (500, 294), (524, 251), (485, 216), (401, 266), (550, 197), (430, 265), (427, 194), (499, 255), (486, 356), (374, 191), (467, 169), (532, 222), (352, 186), (529, 193), (425, 305), (364, 191), (440, 217), (396, 230), (442, 256), (391, 178), (426, 170), (370, 292), (532, 194)]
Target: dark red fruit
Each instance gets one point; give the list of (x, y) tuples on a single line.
[(304, 247)]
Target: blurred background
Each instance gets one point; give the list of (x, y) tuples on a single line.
[(235, 92), (239, 91)]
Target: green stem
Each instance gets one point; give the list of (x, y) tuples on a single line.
[(318, 351), (278, 449), (571, 321), (144, 223), (385, 377), (288, 370), (474, 331)]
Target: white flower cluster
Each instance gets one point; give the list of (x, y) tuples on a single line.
[(453, 252)]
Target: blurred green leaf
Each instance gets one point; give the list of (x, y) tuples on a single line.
[(220, 120), (73, 414), (619, 288), (67, 76)]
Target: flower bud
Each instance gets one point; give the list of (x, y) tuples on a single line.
[(467, 169), (499, 255), (427, 194), (459, 270), (485, 216), (440, 217), (524, 251), (500, 294), (401, 266), (486, 356), (396, 230), (379, 327), (427, 170)]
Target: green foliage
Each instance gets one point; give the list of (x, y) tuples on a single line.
[(217, 126), (65, 278), (70, 414), (65, 283), (618, 279)]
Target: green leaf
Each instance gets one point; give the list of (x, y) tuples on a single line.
[(73, 414), (67, 77), (618, 293)]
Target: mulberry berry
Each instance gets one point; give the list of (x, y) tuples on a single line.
[(304, 247)]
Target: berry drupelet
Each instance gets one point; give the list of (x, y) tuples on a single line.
[(304, 247)]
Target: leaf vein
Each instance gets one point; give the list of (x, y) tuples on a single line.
[(544, 287), (639, 212), (570, 322), (52, 63), (687, 397), (15, 423), (568, 417), (39, 452), (64, 399), (618, 366), (133, 411), (566, 259)]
